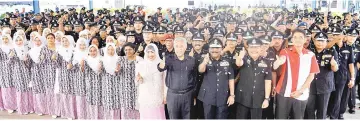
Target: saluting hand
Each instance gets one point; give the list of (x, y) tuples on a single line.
[(141, 48), (206, 59), (241, 54), (279, 61), (100, 66), (162, 63), (69, 66), (54, 56), (191, 52), (139, 78), (333, 62), (117, 68), (12, 54)]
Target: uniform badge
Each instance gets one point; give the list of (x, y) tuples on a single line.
[(356, 50), (327, 56), (224, 63), (345, 51), (248, 61), (203, 55), (262, 64), (322, 63)]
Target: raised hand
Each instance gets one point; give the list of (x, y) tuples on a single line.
[(162, 63), (117, 68), (191, 53), (279, 61), (69, 66), (333, 62), (206, 59)]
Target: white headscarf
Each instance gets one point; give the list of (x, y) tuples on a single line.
[(84, 32), (110, 62), (94, 62), (58, 42), (21, 50), (20, 33), (6, 47), (148, 67), (80, 55), (46, 31), (67, 52), (34, 33), (35, 50)]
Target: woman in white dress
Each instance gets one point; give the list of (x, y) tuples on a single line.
[(151, 85)]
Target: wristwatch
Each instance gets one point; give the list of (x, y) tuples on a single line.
[(232, 96), (268, 99)]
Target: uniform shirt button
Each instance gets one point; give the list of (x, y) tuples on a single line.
[(217, 84), (217, 89), (218, 80), (254, 87)]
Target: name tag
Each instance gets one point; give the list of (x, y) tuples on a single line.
[(271, 59), (327, 56), (224, 63), (356, 50), (262, 64), (345, 51), (203, 55)]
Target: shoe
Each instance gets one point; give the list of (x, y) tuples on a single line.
[(352, 111), (10, 111), (341, 117), (40, 114), (70, 119), (54, 116), (25, 113), (31, 112)]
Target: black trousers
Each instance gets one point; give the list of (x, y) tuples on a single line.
[(242, 112), (339, 100), (232, 111), (179, 105), (215, 112), (197, 111), (268, 113), (317, 103), (287, 106), (352, 98)]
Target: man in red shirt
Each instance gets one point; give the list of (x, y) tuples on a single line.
[(297, 69)]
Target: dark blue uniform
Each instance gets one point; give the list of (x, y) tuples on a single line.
[(339, 97), (268, 113), (352, 98), (250, 90), (181, 83), (214, 91), (197, 111), (322, 85)]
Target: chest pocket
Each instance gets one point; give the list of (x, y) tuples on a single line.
[(345, 54)]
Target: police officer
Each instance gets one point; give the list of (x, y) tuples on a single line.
[(147, 35), (159, 40), (138, 25), (323, 83), (198, 52), (352, 98), (254, 86), (229, 50), (219, 81), (344, 77)]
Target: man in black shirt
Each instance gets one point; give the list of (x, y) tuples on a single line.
[(180, 80)]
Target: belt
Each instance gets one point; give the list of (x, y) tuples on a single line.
[(181, 91)]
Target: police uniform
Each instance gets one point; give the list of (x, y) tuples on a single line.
[(340, 96), (323, 83), (146, 29), (214, 91), (161, 47), (250, 90), (138, 36), (268, 113), (197, 111), (352, 98)]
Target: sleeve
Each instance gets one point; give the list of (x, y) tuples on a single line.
[(314, 65), (231, 73), (268, 72), (351, 56)]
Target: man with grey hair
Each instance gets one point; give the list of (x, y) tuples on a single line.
[(180, 80)]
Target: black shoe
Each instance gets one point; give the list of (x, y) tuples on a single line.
[(352, 111), (341, 117)]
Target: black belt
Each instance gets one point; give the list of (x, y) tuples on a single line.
[(181, 91)]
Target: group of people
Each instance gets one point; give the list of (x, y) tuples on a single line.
[(194, 64)]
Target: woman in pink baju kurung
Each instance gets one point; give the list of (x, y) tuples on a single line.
[(151, 85)]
